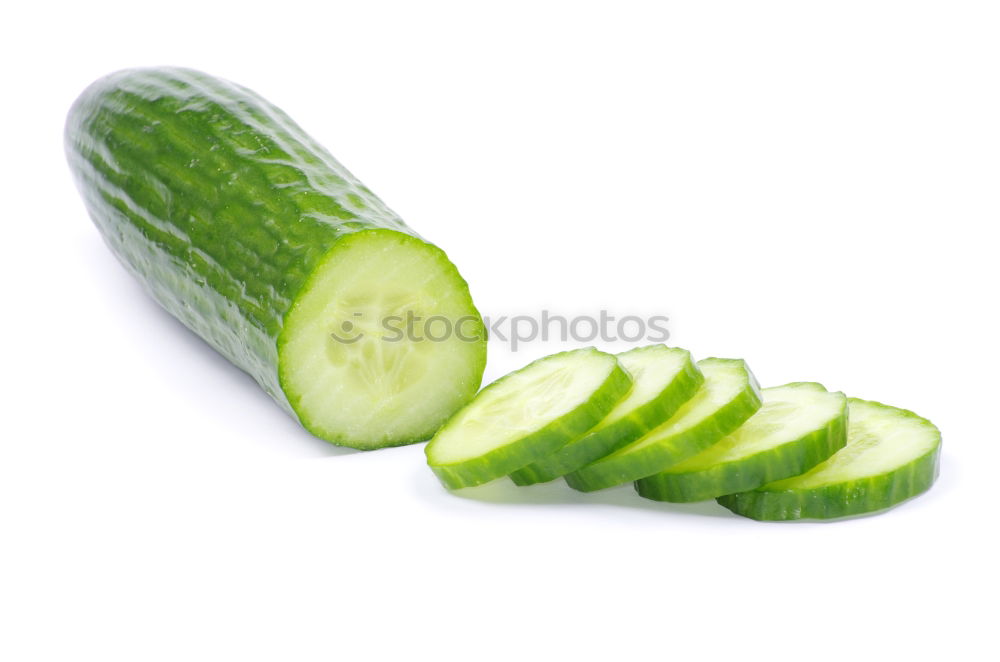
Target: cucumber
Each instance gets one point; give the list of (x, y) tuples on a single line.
[(257, 239), (664, 378), (728, 397), (891, 455), (526, 415), (798, 426)]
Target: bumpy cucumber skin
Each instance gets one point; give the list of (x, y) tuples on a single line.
[(593, 446), (857, 497), (506, 459), (611, 471), (220, 205), (790, 459)]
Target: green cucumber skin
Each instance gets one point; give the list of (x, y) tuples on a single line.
[(606, 473), (748, 473), (857, 497), (506, 459), (594, 446), (218, 203)]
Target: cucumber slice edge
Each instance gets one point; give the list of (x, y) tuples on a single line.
[(693, 480), (521, 451), (861, 496), (605, 437), (650, 455)]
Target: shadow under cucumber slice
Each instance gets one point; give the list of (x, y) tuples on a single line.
[(891, 455), (663, 379), (798, 426), (526, 415), (728, 397)]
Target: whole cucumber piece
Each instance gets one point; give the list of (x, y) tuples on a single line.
[(256, 238)]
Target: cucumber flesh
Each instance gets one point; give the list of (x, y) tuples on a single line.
[(526, 415), (729, 396), (352, 368), (891, 455), (664, 378), (798, 426)]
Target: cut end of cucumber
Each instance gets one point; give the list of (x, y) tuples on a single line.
[(383, 343)]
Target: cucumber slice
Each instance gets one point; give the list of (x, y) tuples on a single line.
[(891, 455), (663, 379), (798, 426), (527, 415), (729, 396)]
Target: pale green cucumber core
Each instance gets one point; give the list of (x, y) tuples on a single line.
[(382, 344), (522, 403)]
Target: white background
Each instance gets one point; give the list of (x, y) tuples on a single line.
[(810, 186)]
